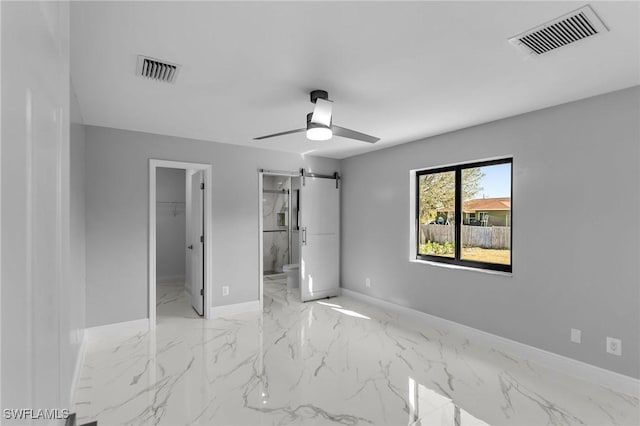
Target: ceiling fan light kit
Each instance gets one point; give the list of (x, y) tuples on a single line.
[(319, 122), (319, 133)]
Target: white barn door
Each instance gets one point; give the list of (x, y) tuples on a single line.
[(319, 237)]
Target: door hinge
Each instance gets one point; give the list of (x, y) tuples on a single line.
[(202, 185), (202, 238), (201, 292)]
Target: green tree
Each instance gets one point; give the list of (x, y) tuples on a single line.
[(437, 191), (471, 182)]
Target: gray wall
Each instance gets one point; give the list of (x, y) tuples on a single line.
[(42, 288), (170, 224), (576, 215), (117, 181)]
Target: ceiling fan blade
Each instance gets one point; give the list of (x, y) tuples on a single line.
[(322, 112), (352, 134), (288, 132)]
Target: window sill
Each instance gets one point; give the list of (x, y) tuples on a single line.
[(464, 268)]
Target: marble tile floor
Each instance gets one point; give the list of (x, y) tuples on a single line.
[(172, 302), (334, 361)]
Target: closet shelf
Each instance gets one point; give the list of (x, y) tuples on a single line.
[(178, 206)]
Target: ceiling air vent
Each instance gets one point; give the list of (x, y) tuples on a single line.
[(157, 70), (569, 28)]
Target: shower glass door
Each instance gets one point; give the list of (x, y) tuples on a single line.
[(277, 226)]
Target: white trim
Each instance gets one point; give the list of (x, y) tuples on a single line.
[(1, 213), (578, 369), (261, 239), (208, 234), (170, 278), (117, 329), (78, 369), (238, 308), (151, 303)]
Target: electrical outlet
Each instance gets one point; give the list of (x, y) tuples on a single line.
[(614, 346), (576, 335), (225, 290), (367, 282)]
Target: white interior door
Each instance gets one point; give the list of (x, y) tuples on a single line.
[(319, 238), (196, 242)]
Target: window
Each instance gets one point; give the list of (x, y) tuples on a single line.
[(463, 214), (483, 217)]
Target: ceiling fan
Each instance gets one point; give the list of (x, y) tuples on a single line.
[(319, 125)]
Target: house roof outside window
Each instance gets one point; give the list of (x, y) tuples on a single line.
[(483, 204)]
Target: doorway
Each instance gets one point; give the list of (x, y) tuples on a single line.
[(179, 259), (299, 222), (171, 224), (280, 234)]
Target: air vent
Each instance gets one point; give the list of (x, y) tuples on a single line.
[(157, 70), (567, 29)]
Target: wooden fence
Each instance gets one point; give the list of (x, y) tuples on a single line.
[(497, 237)]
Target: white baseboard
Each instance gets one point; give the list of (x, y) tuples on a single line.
[(117, 329), (77, 370), (581, 370), (238, 308), (170, 278)]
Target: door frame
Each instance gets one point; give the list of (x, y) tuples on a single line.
[(154, 164), (261, 174)]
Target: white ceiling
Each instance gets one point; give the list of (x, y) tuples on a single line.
[(398, 71)]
